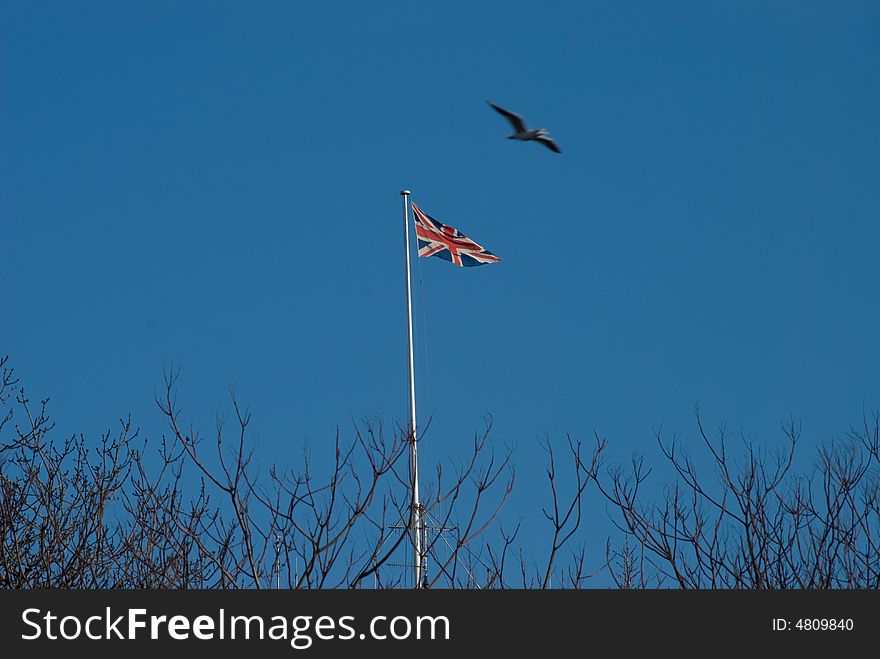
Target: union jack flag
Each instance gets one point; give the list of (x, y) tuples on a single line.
[(438, 239)]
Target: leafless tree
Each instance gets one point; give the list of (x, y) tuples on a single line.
[(764, 521), (564, 516), (196, 513)]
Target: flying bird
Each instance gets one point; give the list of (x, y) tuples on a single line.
[(522, 132)]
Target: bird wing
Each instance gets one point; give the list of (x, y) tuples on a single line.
[(515, 120), (550, 144)]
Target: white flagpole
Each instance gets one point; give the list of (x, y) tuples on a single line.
[(413, 436)]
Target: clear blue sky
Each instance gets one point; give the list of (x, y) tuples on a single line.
[(215, 184)]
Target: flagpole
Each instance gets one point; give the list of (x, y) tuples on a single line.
[(413, 436)]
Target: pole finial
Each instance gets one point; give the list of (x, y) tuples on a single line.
[(404, 192)]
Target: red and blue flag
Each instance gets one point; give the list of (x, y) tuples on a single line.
[(438, 239)]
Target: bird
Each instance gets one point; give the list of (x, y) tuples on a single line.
[(522, 132)]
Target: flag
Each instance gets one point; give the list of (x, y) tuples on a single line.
[(438, 239)]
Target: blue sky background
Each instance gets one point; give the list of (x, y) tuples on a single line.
[(215, 184)]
